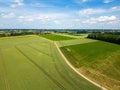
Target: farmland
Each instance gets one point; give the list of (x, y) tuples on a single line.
[(74, 35), (56, 37), (74, 42), (34, 63), (97, 60)]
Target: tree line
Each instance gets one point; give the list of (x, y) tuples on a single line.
[(113, 38), (16, 33)]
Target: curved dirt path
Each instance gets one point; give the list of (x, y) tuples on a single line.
[(66, 60)]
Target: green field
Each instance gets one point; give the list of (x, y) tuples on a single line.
[(56, 37), (74, 42), (34, 63), (98, 60), (75, 35)]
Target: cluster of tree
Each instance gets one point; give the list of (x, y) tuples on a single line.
[(2, 34), (16, 33), (21, 33), (81, 31), (105, 37), (113, 33)]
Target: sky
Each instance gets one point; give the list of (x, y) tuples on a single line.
[(59, 14)]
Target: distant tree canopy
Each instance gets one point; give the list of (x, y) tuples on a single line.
[(105, 37), (2, 35), (20, 33), (16, 33)]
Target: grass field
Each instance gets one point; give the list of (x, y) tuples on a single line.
[(99, 60), (56, 37), (75, 35), (34, 63), (74, 42)]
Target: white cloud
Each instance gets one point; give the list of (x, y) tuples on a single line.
[(108, 1), (43, 5), (2, 10), (106, 18), (41, 17), (91, 11), (17, 3), (26, 18), (10, 15), (101, 19), (57, 22), (115, 8)]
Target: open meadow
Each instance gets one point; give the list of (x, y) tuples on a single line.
[(100, 61), (57, 37), (34, 63)]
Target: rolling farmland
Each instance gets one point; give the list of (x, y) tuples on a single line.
[(34, 63), (56, 37), (97, 60), (74, 42)]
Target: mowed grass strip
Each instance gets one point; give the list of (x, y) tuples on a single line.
[(74, 42), (98, 60), (75, 35), (55, 37)]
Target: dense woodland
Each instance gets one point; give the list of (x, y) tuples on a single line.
[(109, 37)]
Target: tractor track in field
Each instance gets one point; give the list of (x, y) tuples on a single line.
[(57, 69), (64, 69), (69, 64), (54, 64), (5, 72), (38, 50), (78, 86), (40, 68)]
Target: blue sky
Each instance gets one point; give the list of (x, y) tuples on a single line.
[(60, 14)]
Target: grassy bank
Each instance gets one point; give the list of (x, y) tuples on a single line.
[(97, 60)]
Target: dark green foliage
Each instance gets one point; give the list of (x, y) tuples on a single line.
[(20, 33), (2, 35), (105, 37), (16, 33)]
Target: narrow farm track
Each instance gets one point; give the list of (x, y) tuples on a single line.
[(4, 72), (57, 69), (76, 70), (46, 73)]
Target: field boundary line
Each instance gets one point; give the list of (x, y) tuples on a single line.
[(71, 66)]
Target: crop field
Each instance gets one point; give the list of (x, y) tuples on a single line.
[(98, 60), (56, 37), (74, 35), (34, 63), (74, 42)]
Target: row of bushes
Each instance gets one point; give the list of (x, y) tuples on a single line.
[(6, 34), (113, 33), (105, 37)]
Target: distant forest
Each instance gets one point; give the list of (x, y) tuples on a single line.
[(113, 37)]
